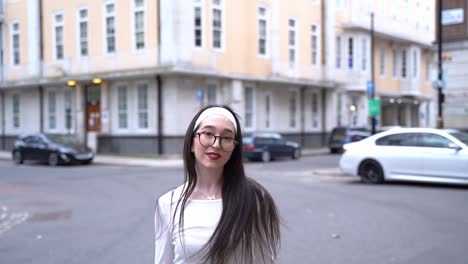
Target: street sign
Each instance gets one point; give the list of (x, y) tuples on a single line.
[(370, 87), (374, 107), (200, 95)]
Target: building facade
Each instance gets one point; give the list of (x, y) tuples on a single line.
[(455, 63), (127, 76)]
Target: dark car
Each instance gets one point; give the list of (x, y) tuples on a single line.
[(51, 149), (267, 146), (342, 135)]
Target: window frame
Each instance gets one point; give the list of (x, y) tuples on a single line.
[(364, 57), (249, 109), (292, 60), (106, 34), (350, 52), (382, 60), (16, 111), (52, 110), (55, 26), (339, 52), (222, 29), (135, 11), (79, 35), (315, 33), (122, 106), (15, 51), (394, 63), (293, 108), (199, 4), (145, 110), (268, 110), (263, 17)]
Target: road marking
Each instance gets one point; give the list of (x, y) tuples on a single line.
[(10, 220)]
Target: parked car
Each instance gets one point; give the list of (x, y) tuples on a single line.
[(267, 146), (342, 135), (409, 154), (51, 149)]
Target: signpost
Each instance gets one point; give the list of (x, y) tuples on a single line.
[(374, 107)]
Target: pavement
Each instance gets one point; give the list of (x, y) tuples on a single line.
[(170, 160)]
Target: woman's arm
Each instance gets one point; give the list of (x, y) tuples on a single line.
[(164, 249)]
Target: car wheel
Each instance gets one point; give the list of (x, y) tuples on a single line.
[(333, 150), (296, 154), (266, 157), (371, 172), (53, 159), (18, 157)]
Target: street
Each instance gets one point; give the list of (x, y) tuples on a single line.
[(104, 214)]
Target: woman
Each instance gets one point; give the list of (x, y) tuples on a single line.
[(218, 215)]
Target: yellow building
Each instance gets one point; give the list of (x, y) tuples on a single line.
[(117, 73)]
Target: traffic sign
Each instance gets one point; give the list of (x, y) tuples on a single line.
[(374, 107), (370, 87)]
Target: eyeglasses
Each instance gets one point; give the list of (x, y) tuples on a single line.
[(207, 139)]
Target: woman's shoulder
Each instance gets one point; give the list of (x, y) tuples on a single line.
[(170, 197)]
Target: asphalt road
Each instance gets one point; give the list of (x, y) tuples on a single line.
[(103, 214)]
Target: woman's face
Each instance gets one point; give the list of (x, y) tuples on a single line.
[(215, 156)]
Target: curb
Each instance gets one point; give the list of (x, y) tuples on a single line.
[(174, 161)]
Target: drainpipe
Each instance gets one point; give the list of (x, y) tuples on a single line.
[(41, 109), (160, 131), (160, 115), (303, 88), (3, 118), (1, 80), (41, 59)]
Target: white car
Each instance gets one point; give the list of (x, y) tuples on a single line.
[(410, 154)]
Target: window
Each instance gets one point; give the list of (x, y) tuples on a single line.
[(58, 36), (262, 31), (248, 99), (267, 111), (110, 27), (217, 24), (428, 66), (435, 141), (122, 106), (364, 55), (415, 63), (142, 105), (314, 44), (52, 111), (139, 16), (293, 100), (350, 53), (68, 109), (403, 63), (292, 42), (314, 110), (198, 24), (15, 40), (211, 94), (382, 59), (16, 111), (394, 63), (402, 139), (83, 31), (338, 52)]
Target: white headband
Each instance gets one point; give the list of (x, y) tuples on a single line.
[(216, 111)]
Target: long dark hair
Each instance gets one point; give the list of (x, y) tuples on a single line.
[(249, 223)]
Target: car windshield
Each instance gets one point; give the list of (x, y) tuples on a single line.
[(64, 139), (462, 136)]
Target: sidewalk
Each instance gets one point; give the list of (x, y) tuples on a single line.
[(166, 161)]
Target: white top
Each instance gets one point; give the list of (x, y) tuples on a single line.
[(200, 220)]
